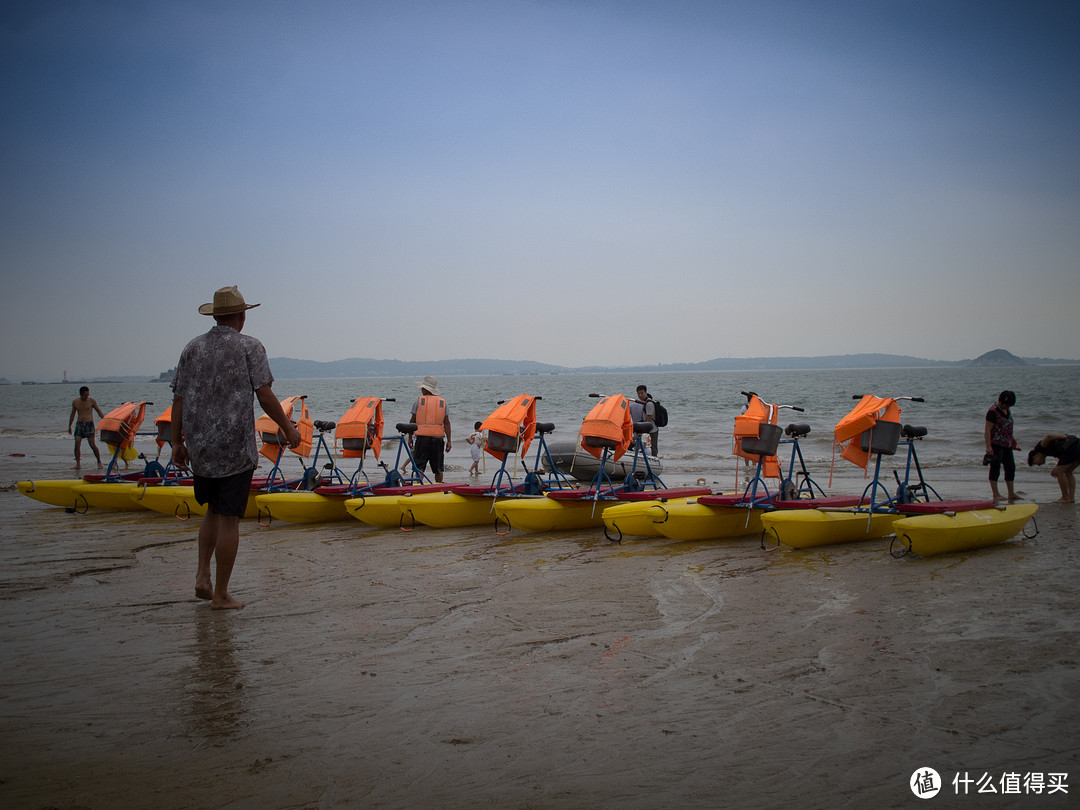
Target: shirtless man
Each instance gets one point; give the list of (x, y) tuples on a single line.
[(84, 408)]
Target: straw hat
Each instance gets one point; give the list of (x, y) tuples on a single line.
[(431, 384), (227, 301)]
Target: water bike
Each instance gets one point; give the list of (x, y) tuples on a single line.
[(510, 430), (377, 504), (108, 490), (606, 433), (757, 437), (155, 492), (930, 523), (324, 498), (179, 499)]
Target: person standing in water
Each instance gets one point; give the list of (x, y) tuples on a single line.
[(213, 429), (432, 419), (84, 408), (998, 436)]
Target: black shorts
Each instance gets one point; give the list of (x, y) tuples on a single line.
[(225, 496), (429, 449)]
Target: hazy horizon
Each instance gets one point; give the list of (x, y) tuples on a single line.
[(661, 368)]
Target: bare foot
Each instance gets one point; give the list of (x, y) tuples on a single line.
[(1064, 500), (204, 593), (227, 603)]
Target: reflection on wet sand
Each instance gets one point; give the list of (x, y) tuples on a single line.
[(214, 699)]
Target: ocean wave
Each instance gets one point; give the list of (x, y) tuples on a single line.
[(18, 433)]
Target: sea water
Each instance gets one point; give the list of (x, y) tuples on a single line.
[(702, 406)]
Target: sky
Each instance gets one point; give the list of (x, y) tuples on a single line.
[(579, 182)]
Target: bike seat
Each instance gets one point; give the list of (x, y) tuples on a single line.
[(914, 431), (643, 427), (545, 427), (599, 441), (797, 430), (406, 427), (323, 427)]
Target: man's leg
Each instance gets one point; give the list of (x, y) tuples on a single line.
[(93, 446), (219, 539), (204, 583), (228, 543), (78, 452), (1066, 482)]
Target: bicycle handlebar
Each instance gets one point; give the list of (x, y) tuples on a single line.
[(909, 399)]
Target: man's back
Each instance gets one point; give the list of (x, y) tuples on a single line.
[(217, 376)]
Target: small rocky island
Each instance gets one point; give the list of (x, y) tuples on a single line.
[(999, 357)]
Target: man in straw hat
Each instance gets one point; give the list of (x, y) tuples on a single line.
[(213, 429), (432, 419)]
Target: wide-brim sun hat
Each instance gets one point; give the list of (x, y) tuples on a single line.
[(227, 301), (431, 384)]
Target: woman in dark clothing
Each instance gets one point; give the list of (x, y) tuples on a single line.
[(1000, 444), (1066, 449)]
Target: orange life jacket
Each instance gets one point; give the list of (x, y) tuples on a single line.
[(164, 428), (430, 415), (747, 425), (511, 427), (361, 427), (117, 428), (861, 418), (609, 425), (272, 437)]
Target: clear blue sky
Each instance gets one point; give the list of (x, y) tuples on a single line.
[(576, 182)]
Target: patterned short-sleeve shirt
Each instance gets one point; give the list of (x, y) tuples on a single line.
[(216, 379)]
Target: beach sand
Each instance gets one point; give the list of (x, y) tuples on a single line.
[(461, 669)]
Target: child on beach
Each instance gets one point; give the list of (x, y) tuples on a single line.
[(476, 446)]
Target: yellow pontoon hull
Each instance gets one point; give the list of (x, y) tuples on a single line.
[(106, 496), (376, 510), (157, 498), (54, 493), (446, 510), (927, 535), (542, 514), (632, 519), (805, 528), (300, 507), (690, 520)]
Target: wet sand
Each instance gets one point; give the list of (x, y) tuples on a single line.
[(458, 668)]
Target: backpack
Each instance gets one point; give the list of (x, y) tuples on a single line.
[(661, 414)]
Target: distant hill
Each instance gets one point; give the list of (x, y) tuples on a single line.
[(290, 368), (998, 357)]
